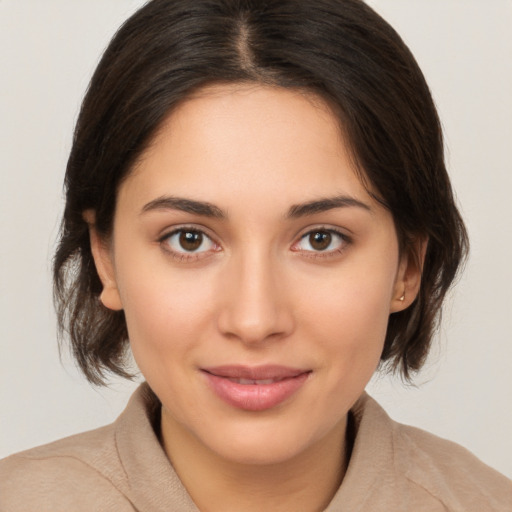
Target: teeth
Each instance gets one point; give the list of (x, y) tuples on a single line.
[(252, 382), (246, 381)]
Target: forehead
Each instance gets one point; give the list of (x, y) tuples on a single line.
[(249, 140)]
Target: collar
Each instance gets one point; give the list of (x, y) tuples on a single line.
[(371, 476), (145, 463)]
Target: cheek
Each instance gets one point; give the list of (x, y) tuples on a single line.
[(353, 301), (349, 319), (165, 312)]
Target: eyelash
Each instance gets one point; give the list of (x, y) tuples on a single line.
[(345, 240), (190, 256), (187, 256)]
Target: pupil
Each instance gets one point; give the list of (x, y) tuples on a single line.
[(320, 240), (191, 240)]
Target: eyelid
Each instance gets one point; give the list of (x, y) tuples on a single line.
[(346, 239), (184, 255)]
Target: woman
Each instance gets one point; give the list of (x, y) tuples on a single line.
[(257, 203)]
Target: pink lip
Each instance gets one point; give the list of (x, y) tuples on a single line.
[(257, 396)]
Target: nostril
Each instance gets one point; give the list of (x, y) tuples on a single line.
[(253, 324)]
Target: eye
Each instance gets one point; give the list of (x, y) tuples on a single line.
[(188, 241), (321, 240)]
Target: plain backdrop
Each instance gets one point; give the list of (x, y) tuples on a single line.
[(48, 50)]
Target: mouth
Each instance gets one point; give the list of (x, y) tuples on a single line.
[(262, 382), (255, 388)]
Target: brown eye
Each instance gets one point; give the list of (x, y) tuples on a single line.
[(184, 241), (190, 240), (320, 240)]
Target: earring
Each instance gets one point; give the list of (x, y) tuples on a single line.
[(402, 298)]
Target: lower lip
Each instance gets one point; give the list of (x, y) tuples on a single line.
[(255, 397)]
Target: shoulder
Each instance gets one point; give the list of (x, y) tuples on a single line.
[(449, 472), (70, 474)]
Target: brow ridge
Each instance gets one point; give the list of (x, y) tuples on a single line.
[(325, 204), (202, 208)]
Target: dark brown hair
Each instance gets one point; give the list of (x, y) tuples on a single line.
[(340, 50)]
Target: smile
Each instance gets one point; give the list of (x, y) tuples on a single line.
[(246, 382), (255, 388)]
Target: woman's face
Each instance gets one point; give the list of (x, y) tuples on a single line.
[(255, 271)]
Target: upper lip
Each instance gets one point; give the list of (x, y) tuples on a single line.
[(264, 372)]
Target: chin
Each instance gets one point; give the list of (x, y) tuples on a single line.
[(263, 442), (260, 453)]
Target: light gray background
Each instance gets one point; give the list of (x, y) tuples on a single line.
[(48, 50)]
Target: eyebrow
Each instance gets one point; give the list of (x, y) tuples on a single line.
[(325, 204), (206, 209), (185, 205)]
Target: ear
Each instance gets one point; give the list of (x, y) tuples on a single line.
[(408, 279), (102, 254)]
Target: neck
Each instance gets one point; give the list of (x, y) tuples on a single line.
[(306, 482)]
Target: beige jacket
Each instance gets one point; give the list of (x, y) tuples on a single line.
[(122, 468)]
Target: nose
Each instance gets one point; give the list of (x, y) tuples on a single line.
[(254, 303)]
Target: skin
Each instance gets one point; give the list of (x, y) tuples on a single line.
[(257, 291)]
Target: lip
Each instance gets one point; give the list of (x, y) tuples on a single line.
[(255, 388)]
